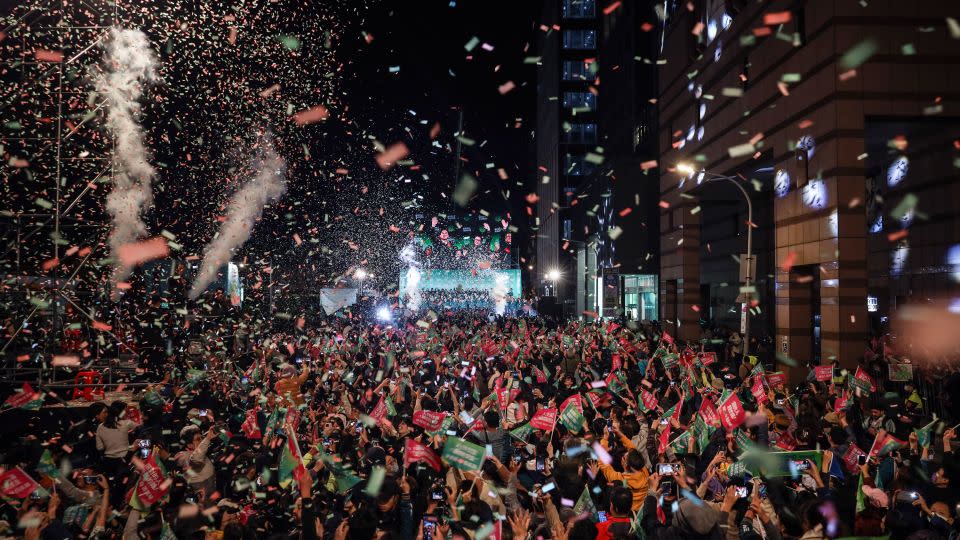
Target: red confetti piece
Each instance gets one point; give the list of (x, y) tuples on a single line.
[(804, 124), (646, 27), (435, 130), (789, 261), (897, 235), (97, 325), (611, 8), (134, 254), (647, 165), (697, 29), (311, 115), (847, 75), (65, 360), (625, 212), (780, 17), (43, 55), (506, 87), (532, 198), (762, 31), (664, 204), (388, 158), (50, 263)]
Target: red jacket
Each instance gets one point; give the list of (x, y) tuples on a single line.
[(603, 529)]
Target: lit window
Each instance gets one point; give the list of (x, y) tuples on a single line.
[(575, 165), (576, 70), (579, 39), (579, 9), (581, 134), (579, 100)]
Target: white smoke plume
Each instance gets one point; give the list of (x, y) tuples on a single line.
[(499, 292), (412, 290), (245, 208), (129, 65)]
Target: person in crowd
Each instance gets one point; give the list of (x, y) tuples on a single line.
[(466, 425)]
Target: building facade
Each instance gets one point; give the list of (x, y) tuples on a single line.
[(596, 216), (841, 121)]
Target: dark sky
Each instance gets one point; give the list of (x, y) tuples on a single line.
[(386, 70)]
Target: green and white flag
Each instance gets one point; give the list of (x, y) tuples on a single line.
[(925, 434), (463, 455), (585, 504)]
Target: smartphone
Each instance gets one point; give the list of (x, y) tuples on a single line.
[(609, 424), (862, 459), (742, 492), (359, 427), (437, 494), (666, 487), (779, 402), (673, 383), (601, 516), (664, 422), (203, 412), (190, 499), (326, 442), (517, 458), (91, 480), (429, 523), (35, 495), (541, 463), (801, 465), (668, 469), (763, 491), (244, 380)]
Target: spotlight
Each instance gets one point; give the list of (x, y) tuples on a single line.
[(383, 314)]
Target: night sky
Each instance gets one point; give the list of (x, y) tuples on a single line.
[(233, 74)]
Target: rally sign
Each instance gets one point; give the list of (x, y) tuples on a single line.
[(414, 452), (707, 358), (17, 484), (731, 412), (851, 458), (544, 419), (708, 411), (429, 420), (251, 425), (571, 413), (463, 455), (776, 379), (823, 373)]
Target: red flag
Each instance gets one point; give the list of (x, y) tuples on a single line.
[(380, 411), (429, 420), (544, 419), (776, 379), (649, 400), (664, 439), (414, 452), (731, 412), (26, 395), (823, 373), (17, 484), (250, 426), (852, 456), (668, 338), (758, 391), (708, 411), (707, 358)]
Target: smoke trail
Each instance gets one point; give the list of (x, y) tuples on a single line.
[(412, 289), (129, 64), (245, 207), (499, 292)]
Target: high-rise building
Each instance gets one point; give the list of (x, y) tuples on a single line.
[(839, 120), (596, 223)]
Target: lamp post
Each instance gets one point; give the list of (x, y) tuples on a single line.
[(360, 274), (553, 276), (688, 169)]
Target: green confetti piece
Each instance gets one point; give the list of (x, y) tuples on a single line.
[(908, 49), (292, 43), (43, 203), (908, 203), (790, 77), (472, 44), (858, 54)]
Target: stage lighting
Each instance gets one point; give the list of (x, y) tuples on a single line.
[(383, 314)]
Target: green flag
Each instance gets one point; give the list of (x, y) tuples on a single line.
[(585, 504), (463, 455), (570, 414), (47, 466), (925, 434), (521, 432)]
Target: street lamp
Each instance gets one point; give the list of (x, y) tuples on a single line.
[(688, 169), (553, 276), (360, 274)]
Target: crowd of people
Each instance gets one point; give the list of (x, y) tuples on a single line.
[(464, 299), (467, 427)]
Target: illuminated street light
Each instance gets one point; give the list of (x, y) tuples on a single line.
[(360, 274), (688, 169), (553, 275)]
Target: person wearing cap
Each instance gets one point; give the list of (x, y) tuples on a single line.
[(288, 387)]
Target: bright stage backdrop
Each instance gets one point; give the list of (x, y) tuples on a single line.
[(464, 279)]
